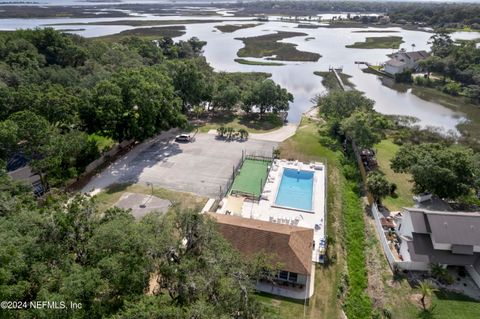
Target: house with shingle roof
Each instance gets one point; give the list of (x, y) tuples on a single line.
[(288, 247), (402, 61), (439, 237)]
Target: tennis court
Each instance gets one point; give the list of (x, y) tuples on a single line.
[(251, 177)]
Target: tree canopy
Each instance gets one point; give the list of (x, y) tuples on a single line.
[(337, 105), (267, 96), (57, 90), (378, 185), (365, 128), (448, 172), (174, 265)]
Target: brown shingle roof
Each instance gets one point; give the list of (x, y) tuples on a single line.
[(291, 246), (417, 55)]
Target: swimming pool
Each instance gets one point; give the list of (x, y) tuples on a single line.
[(295, 190)]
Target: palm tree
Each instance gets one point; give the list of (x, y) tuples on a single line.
[(221, 131), (426, 289), (243, 133), (413, 46), (229, 131)]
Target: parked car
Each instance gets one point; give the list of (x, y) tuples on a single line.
[(183, 138)]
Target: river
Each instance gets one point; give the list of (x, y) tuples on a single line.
[(297, 77)]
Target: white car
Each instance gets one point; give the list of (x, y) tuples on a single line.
[(183, 138)]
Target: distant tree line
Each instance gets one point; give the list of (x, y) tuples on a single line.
[(458, 64), (437, 15), (452, 15), (58, 90)]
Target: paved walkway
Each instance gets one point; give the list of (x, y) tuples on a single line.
[(277, 136)]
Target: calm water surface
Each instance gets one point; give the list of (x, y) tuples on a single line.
[(297, 77)]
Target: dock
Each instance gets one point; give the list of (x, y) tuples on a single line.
[(363, 62), (339, 79)]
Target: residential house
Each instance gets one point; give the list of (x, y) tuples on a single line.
[(402, 61), (446, 238), (288, 246), (384, 19)]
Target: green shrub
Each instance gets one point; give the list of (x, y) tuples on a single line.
[(404, 77), (452, 88), (357, 304), (422, 81)]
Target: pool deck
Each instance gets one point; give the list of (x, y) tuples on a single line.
[(266, 210)]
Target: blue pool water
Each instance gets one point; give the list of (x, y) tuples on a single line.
[(296, 189)]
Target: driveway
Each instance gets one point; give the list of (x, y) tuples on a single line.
[(199, 167)]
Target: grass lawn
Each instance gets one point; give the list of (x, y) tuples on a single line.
[(252, 177), (229, 28), (250, 62), (449, 305), (378, 43), (268, 46), (110, 196), (251, 123), (386, 149)]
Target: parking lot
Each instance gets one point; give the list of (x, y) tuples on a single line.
[(201, 166)]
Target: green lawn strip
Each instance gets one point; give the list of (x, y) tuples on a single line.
[(229, 28), (386, 150), (268, 123), (392, 42), (252, 177), (250, 62), (268, 46), (280, 307), (357, 304), (450, 305)]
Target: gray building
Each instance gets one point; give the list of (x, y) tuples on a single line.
[(446, 238)]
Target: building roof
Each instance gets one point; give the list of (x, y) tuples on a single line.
[(395, 62), (417, 55), (291, 246), (456, 228), (421, 248)]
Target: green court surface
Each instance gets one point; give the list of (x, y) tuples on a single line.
[(251, 177)]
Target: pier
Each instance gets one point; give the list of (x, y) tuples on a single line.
[(339, 79)]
